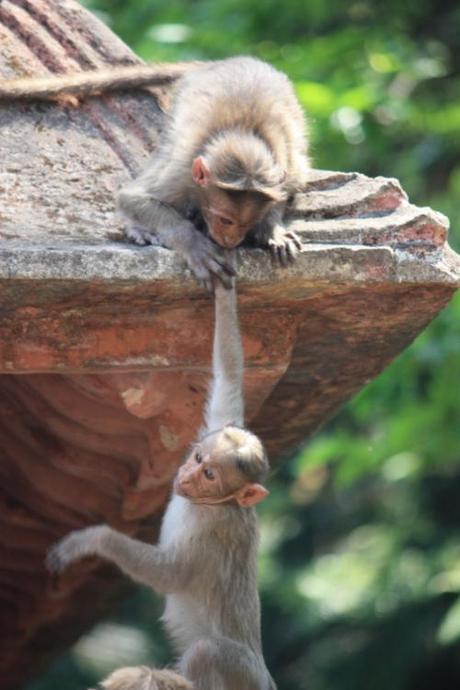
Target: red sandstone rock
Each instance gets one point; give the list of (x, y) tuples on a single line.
[(105, 347)]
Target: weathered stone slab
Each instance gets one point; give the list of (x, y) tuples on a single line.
[(105, 347)]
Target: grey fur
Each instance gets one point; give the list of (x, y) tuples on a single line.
[(206, 559), (243, 115)]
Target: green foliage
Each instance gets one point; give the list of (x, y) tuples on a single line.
[(360, 566)]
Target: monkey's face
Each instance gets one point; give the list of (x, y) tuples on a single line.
[(230, 215), (203, 474), (210, 475)]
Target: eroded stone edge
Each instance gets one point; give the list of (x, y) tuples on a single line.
[(336, 263)]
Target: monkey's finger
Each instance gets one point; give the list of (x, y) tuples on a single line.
[(53, 561), (218, 270), (224, 265), (227, 281), (231, 257), (223, 259), (282, 255), (136, 236), (296, 239), (273, 253), (214, 265), (208, 285), (291, 251), (199, 270)]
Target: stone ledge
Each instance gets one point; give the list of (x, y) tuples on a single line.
[(105, 348), (328, 263)]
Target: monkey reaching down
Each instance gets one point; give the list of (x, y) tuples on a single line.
[(233, 151), (205, 561)]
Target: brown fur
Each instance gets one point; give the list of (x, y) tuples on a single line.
[(144, 678)]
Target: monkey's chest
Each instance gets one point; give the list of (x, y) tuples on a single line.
[(180, 525), (187, 620)]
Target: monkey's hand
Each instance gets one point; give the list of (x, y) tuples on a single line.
[(76, 545), (284, 245), (140, 235), (207, 261)]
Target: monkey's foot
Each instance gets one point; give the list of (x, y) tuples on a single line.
[(284, 245)]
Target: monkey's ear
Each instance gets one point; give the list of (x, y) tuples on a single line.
[(250, 494), (200, 172)]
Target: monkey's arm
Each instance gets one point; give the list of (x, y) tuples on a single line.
[(158, 222), (226, 405), (270, 232), (145, 563)]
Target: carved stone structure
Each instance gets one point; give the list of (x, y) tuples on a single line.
[(105, 348)]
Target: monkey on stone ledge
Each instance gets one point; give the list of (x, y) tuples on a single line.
[(232, 153), (205, 561)]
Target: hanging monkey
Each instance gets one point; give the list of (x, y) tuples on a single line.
[(205, 561)]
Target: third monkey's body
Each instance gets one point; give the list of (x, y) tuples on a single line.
[(240, 119)]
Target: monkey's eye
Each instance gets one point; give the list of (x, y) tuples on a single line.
[(225, 221), (209, 474), (198, 457)]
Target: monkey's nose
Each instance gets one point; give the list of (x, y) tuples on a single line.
[(181, 488)]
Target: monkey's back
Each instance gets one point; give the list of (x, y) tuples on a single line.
[(239, 93)]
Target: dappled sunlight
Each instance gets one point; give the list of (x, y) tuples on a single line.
[(449, 630), (111, 645)]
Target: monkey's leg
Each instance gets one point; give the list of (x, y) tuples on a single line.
[(151, 565), (270, 232), (156, 222), (219, 663)]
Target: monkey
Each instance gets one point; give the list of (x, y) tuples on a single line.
[(145, 678), (234, 150), (205, 560)]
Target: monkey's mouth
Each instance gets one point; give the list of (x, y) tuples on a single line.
[(179, 490), (225, 243)]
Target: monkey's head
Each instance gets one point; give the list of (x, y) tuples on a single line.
[(226, 465), (237, 182)]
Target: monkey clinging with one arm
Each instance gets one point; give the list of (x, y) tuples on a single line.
[(233, 151), (205, 561)]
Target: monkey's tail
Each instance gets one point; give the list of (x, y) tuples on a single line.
[(145, 678), (93, 82)]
